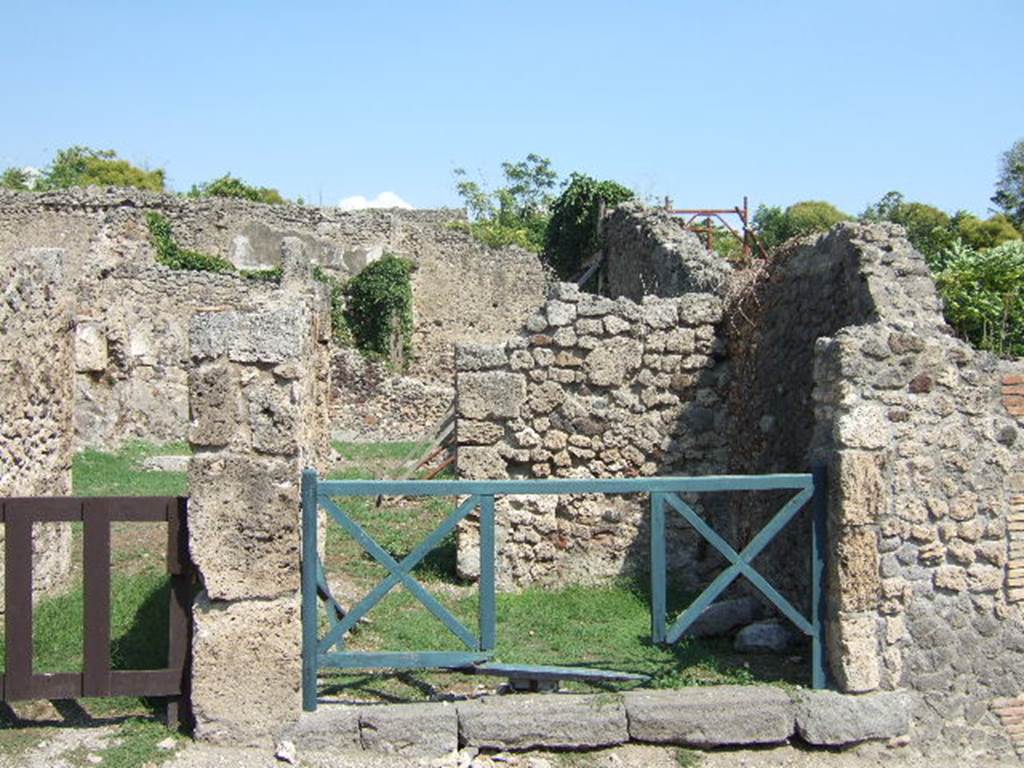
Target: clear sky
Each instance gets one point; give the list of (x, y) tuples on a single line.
[(702, 101)]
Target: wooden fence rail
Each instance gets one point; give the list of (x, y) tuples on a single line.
[(20, 681)]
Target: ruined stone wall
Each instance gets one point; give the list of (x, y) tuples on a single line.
[(593, 387), (258, 393), (462, 291), (649, 253), (131, 352), (35, 407), (928, 467)]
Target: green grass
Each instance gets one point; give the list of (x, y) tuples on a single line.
[(96, 473)]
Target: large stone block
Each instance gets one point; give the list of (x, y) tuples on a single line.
[(244, 524), (854, 582), (830, 719), (90, 347), (246, 669), (609, 364), (410, 730), (861, 494), (717, 716), (273, 414), (490, 395), (272, 335), (481, 463), (557, 721), (853, 652), (331, 727), (216, 406)]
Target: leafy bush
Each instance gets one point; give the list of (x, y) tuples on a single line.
[(82, 166), (229, 186), (516, 213), (571, 234), (171, 255), (378, 308), (812, 216), (983, 292), (774, 226)]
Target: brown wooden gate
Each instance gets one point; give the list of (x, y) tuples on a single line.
[(20, 681)]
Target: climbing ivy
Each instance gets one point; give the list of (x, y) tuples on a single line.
[(378, 308), (172, 255), (571, 236)]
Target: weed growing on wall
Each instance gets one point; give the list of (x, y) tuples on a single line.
[(172, 255), (339, 324), (378, 308)]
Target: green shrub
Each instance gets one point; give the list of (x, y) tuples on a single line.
[(774, 226), (983, 293), (571, 234), (229, 186), (812, 216), (82, 166), (271, 275), (171, 255), (378, 308)]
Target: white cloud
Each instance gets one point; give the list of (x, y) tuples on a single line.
[(383, 200)]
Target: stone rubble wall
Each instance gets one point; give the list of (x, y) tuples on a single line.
[(649, 253), (462, 291), (593, 387), (36, 347), (258, 391), (928, 470)]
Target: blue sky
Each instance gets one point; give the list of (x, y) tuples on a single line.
[(701, 101)]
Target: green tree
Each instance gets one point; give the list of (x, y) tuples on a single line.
[(1009, 194), (516, 213), (571, 235), (774, 226), (983, 233), (929, 229), (230, 186), (80, 166), (14, 178)]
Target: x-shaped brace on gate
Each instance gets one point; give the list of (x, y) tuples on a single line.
[(400, 572), (740, 562)]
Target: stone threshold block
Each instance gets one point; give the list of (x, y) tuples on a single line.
[(558, 721), (830, 719), (716, 716), (408, 730)]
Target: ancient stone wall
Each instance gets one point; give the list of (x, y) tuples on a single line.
[(648, 253), (593, 387), (462, 291), (35, 408), (928, 469), (258, 391)]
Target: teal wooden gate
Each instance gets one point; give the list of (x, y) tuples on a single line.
[(328, 651)]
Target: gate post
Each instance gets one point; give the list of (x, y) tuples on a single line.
[(309, 596), (657, 568), (257, 392), (819, 549)]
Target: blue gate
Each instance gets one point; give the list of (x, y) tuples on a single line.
[(328, 651)]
